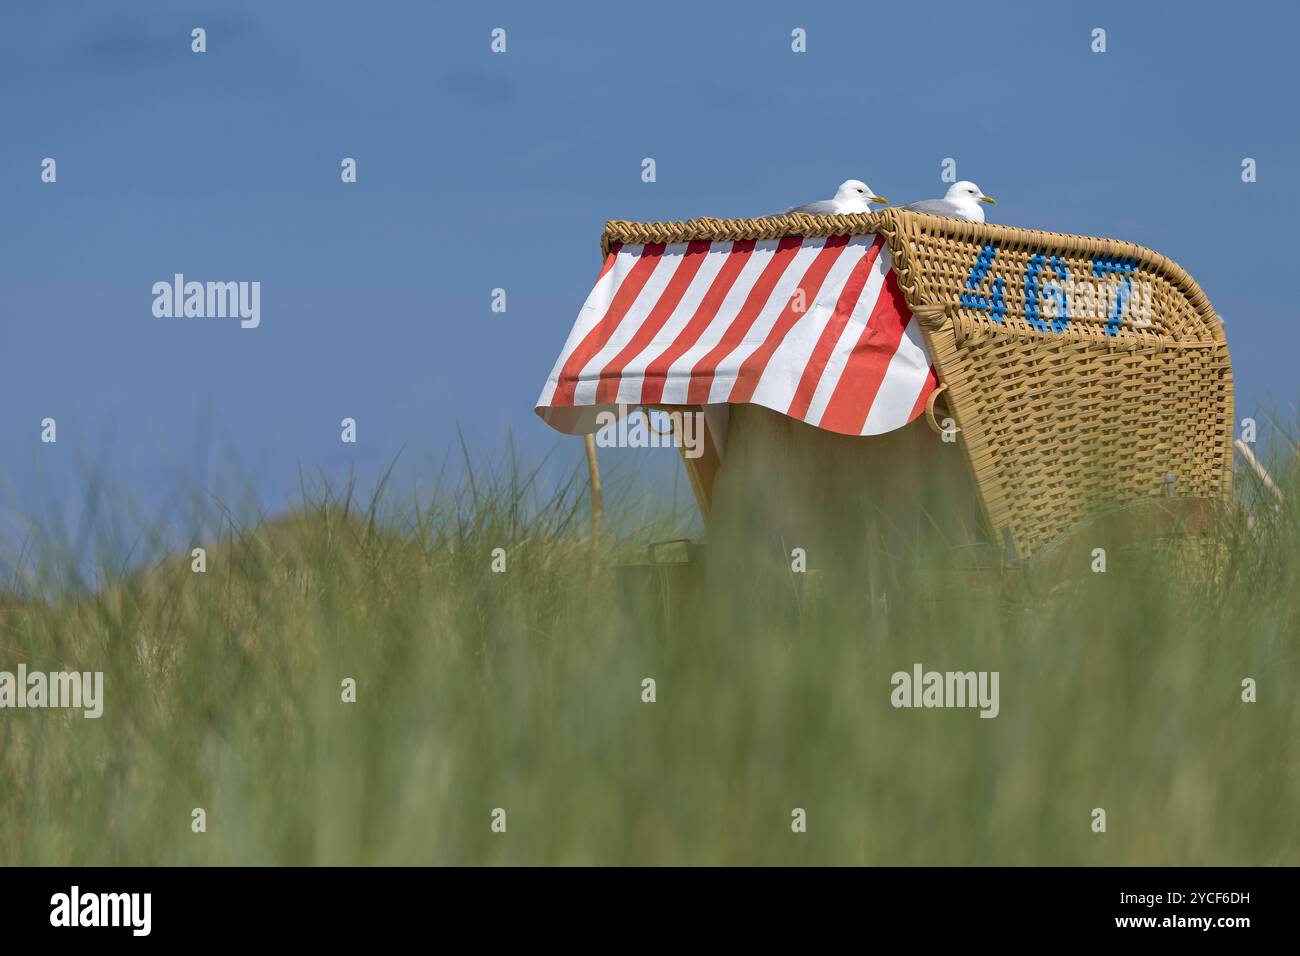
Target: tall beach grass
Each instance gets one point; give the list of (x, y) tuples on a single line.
[(523, 690)]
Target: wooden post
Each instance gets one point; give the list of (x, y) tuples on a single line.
[(597, 498), (1260, 471)]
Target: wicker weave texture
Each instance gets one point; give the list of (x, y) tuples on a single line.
[(1083, 373)]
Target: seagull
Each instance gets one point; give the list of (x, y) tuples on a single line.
[(962, 202), (853, 196)]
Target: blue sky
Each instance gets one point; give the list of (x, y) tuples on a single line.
[(478, 171)]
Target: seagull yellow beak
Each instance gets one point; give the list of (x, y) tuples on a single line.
[(989, 199), (880, 199)]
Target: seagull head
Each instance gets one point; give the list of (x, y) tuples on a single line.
[(967, 192), (856, 191)]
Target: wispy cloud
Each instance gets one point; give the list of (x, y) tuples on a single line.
[(135, 43), (479, 87)]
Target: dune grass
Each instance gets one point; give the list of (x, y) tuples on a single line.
[(522, 690)]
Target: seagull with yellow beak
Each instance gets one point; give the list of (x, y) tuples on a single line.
[(853, 196), (963, 201)]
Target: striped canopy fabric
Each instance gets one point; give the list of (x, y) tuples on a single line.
[(815, 328)]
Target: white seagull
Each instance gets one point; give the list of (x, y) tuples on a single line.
[(853, 196), (962, 202)]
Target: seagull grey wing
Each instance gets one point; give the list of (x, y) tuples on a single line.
[(935, 207), (825, 207)]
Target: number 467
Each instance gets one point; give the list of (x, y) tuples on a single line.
[(1046, 295)]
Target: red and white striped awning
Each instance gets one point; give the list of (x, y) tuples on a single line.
[(815, 328)]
